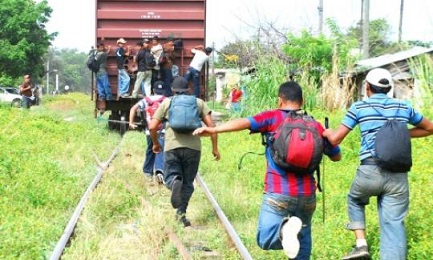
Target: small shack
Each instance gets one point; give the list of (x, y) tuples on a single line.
[(399, 65)]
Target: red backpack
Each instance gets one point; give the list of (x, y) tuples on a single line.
[(297, 146), (152, 106)]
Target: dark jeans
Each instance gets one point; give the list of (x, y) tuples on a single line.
[(26, 102), (194, 75), (183, 163), (153, 162), (167, 78)]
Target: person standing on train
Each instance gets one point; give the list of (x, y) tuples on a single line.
[(123, 77), (156, 50), (201, 56), (144, 74), (102, 83)]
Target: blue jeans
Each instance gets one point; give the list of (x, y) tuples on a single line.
[(104, 91), (153, 162), (275, 208), (392, 192), (194, 75), (182, 163), (123, 81)]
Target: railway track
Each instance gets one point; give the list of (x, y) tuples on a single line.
[(171, 237)]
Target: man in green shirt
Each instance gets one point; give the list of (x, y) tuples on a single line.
[(181, 151)]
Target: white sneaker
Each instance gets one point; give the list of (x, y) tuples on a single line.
[(289, 234)]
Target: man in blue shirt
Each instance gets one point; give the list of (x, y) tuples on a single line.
[(390, 188)]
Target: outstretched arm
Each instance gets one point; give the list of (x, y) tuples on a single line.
[(337, 136), (229, 126)]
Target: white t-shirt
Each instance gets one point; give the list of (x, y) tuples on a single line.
[(199, 59), (156, 52)]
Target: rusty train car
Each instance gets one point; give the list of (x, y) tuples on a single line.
[(134, 20)]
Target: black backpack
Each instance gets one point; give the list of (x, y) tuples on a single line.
[(92, 63), (149, 60), (392, 145)]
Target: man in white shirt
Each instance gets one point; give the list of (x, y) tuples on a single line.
[(156, 50), (201, 56)]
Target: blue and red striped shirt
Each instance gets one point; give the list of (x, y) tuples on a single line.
[(278, 180)]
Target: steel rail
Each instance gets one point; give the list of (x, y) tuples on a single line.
[(226, 223), (69, 229)]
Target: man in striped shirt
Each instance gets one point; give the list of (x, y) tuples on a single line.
[(289, 199), (390, 188)]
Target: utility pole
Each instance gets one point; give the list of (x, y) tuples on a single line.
[(400, 25), (365, 29), (48, 77), (320, 9)]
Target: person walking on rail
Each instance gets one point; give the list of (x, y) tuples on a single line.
[(391, 188), (182, 149), (201, 56), (153, 163), (123, 77), (289, 199)]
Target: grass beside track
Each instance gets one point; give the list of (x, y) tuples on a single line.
[(47, 161)]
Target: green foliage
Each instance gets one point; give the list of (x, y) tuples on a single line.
[(71, 69), (23, 38), (309, 54), (46, 164), (270, 73), (423, 67), (379, 31)]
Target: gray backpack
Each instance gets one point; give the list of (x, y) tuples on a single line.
[(183, 114)]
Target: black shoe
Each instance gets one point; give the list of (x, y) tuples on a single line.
[(176, 193), (182, 219), (358, 253)]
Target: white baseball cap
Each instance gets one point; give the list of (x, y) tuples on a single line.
[(375, 76)]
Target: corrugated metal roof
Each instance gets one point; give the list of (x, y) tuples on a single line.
[(383, 60)]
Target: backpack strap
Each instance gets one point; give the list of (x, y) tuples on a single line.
[(148, 100)]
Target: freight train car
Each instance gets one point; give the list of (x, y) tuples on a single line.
[(135, 20)]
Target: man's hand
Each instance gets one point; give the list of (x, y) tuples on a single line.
[(132, 125), (156, 147), (204, 131), (328, 132), (216, 155)]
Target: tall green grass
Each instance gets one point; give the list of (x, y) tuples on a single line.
[(46, 164)]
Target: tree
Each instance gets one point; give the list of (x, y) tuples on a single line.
[(379, 32), (311, 54), (71, 69), (24, 39)]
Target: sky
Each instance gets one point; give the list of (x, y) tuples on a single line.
[(74, 20)]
